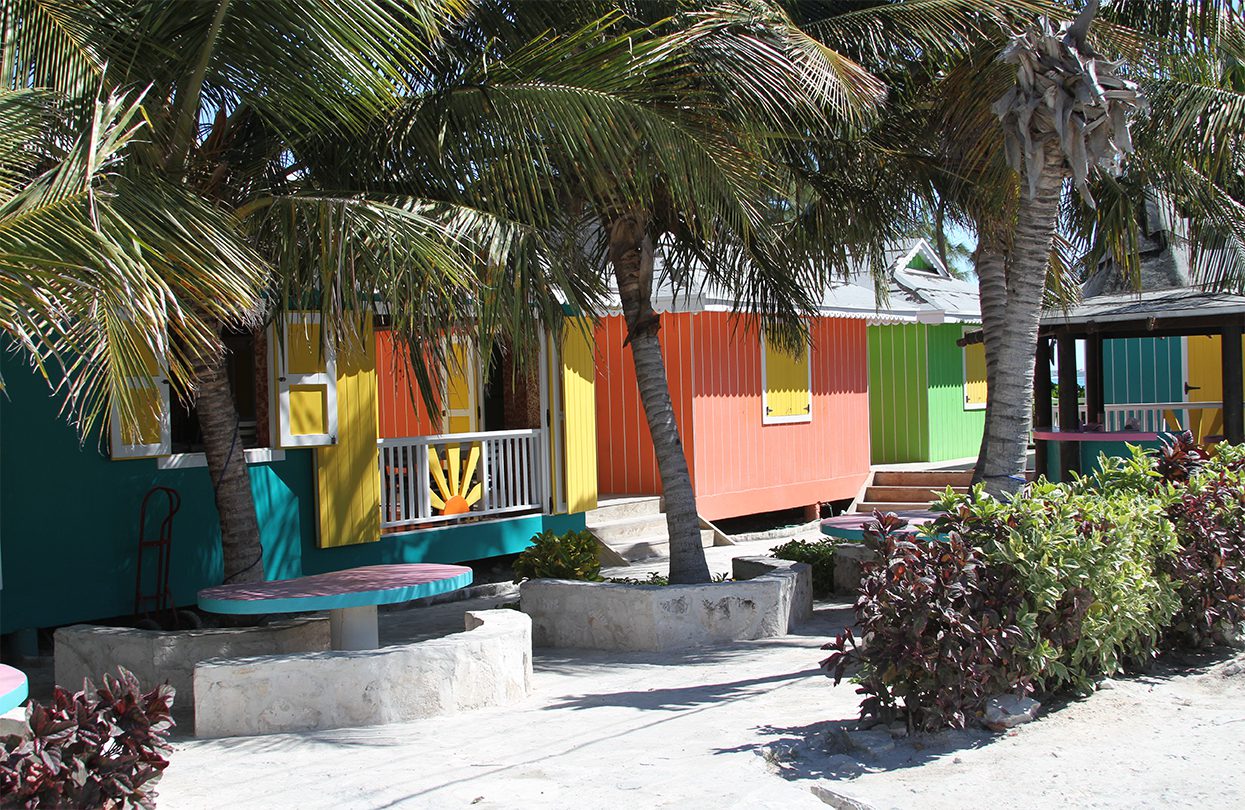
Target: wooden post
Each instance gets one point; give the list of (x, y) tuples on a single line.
[(1042, 415), (1069, 407), (1095, 384), (1233, 410)]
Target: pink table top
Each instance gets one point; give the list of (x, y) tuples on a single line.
[(13, 687), (1095, 435), (351, 587)]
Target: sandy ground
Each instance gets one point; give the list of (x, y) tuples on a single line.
[(748, 725)]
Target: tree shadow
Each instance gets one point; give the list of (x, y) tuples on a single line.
[(829, 750)]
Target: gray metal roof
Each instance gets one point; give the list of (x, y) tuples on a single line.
[(1168, 304), (913, 295)]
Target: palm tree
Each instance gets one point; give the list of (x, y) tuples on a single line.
[(448, 162)]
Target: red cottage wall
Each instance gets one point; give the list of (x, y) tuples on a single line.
[(743, 466), (625, 460), (401, 408)]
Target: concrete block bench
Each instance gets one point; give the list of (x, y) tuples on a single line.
[(489, 665), (768, 597), (155, 656)]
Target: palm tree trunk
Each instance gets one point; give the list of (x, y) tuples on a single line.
[(631, 252), (231, 482), (991, 266), (1009, 418)]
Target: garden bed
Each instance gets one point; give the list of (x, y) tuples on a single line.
[(767, 598)]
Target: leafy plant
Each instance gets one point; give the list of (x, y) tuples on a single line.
[(572, 555), (1209, 566), (940, 632), (655, 578), (817, 553), (98, 748), (1084, 560)]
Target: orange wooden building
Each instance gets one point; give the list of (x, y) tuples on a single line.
[(762, 430)]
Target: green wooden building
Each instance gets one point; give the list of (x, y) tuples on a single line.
[(927, 395)]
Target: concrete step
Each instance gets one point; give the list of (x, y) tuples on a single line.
[(922, 478), (616, 531), (658, 545), (907, 494), (868, 507), (620, 507)]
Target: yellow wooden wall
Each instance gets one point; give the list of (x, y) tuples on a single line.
[(1205, 373), (348, 473), (579, 408)]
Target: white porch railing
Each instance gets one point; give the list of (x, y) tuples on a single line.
[(1151, 417), (432, 479)]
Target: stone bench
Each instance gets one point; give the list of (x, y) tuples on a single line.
[(768, 597), (155, 656), (489, 665)]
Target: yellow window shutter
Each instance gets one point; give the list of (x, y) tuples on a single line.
[(306, 383), (149, 433), (462, 382), (348, 472), (786, 385), (974, 376), (579, 410)]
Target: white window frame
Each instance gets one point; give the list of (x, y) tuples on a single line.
[(794, 419), (286, 379)]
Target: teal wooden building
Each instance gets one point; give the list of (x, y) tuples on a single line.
[(927, 395)]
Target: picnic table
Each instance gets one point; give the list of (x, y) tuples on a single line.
[(350, 595), (13, 688), (852, 526)]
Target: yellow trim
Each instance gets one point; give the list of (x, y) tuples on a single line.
[(579, 414), (348, 473)]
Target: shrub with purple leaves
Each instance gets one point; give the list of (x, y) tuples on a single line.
[(98, 748), (1209, 567), (939, 631)]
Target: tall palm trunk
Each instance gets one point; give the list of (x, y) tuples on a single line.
[(631, 252), (1012, 327), (231, 482)]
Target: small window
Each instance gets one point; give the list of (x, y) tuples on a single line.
[(974, 377), (786, 386), (246, 366)]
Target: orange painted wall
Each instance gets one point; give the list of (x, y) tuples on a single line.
[(739, 466), (625, 460), (402, 411)]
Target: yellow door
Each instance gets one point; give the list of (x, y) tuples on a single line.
[(1204, 383)]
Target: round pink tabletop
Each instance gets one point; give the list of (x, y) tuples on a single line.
[(348, 588)]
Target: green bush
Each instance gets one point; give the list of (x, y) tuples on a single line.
[(572, 555), (1086, 562), (817, 553)]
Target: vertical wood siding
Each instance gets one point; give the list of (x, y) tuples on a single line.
[(953, 430), (742, 466), (626, 463), (402, 411), (579, 404), (898, 380), (348, 473), (1143, 370)]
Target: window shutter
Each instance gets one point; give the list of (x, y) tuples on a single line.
[(974, 376), (151, 436), (578, 352), (786, 382), (462, 383), (306, 383)]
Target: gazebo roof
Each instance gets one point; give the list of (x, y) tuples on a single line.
[(1181, 309)]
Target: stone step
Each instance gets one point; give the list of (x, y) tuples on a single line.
[(642, 548), (922, 478), (907, 494), (868, 507), (615, 531), (620, 507)]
